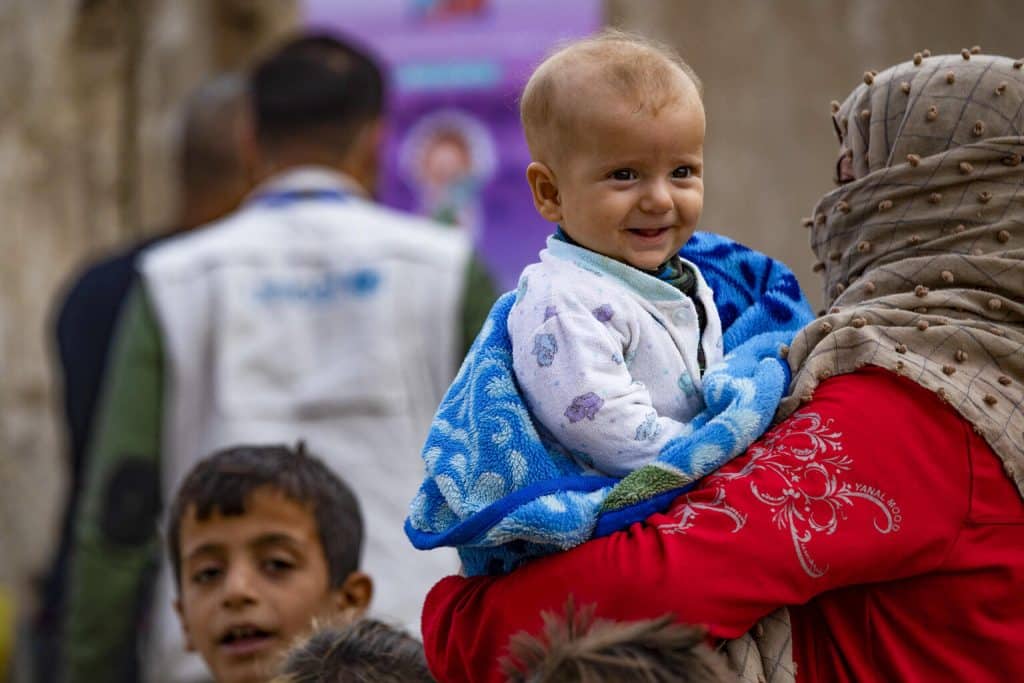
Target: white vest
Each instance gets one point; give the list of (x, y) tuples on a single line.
[(328, 319)]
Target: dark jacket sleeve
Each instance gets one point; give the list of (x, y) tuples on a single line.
[(83, 331), (116, 540)]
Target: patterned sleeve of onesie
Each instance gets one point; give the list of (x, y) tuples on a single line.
[(573, 368)]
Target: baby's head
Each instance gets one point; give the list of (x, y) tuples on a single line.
[(263, 540), (615, 127)]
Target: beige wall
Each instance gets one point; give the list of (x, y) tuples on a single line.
[(88, 103), (770, 69)]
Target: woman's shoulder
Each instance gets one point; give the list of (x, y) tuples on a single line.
[(888, 406)]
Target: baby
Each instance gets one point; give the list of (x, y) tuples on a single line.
[(584, 405), (612, 330)]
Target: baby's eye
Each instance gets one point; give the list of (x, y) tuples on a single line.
[(682, 172), (623, 174), (206, 575)]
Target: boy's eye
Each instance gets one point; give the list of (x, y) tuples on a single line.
[(682, 172), (206, 575), (623, 174), (277, 565)]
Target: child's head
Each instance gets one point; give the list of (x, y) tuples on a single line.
[(615, 126), (262, 541), (581, 649), (366, 651)]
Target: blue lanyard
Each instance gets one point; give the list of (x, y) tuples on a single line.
[(285, 198)]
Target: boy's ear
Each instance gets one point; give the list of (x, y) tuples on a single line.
[(353, 597), (544, 187), (189, 646)]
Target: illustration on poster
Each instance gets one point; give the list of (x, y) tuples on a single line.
[(449, 156), (445, 9)]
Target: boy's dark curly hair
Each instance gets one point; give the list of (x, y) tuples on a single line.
[(223, 482)]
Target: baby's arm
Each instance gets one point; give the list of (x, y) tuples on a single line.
[(573, 372)]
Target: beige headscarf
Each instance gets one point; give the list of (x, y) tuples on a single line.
[(923, 257), (923, 254)]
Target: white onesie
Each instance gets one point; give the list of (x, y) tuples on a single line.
[(606, 355)]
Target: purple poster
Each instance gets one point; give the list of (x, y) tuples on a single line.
[(455, 150)]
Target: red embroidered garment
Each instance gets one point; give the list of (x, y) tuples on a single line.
[(875, 512)]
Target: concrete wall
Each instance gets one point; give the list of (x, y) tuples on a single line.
[(770, 69), (88, 100)]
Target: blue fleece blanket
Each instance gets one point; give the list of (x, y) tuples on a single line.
[(502, 491)]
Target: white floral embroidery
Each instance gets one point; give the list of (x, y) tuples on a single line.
[(689, 511), (805, 460)]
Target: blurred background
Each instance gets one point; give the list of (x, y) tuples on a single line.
[(90, 94)]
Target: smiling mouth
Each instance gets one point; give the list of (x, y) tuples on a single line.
[(648, 232)]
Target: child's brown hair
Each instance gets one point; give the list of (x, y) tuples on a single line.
[(366, 651), (223, 481), (634, 67), (581, 649)]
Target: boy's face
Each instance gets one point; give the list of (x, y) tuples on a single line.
[(253, 582), (629, 185)]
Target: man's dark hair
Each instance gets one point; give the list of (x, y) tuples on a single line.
[(367, 651), (223, 482), (210, 154), (315, 88), (581, 649)]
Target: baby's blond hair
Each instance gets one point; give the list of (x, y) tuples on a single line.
[(638, 69)]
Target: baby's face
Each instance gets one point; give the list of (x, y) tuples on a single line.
[(630, 185)]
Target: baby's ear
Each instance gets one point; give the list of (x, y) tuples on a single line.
[(189, 645), (544, 187), (354, 596)]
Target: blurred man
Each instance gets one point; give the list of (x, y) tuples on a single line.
[(213, 180), (311, 313)]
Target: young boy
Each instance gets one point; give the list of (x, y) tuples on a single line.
[(263, 540), (612, 330)]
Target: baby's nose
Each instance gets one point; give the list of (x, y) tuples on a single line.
[(657, 197)]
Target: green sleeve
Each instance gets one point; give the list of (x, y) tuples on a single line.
[(116, 540), (479, 295)]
